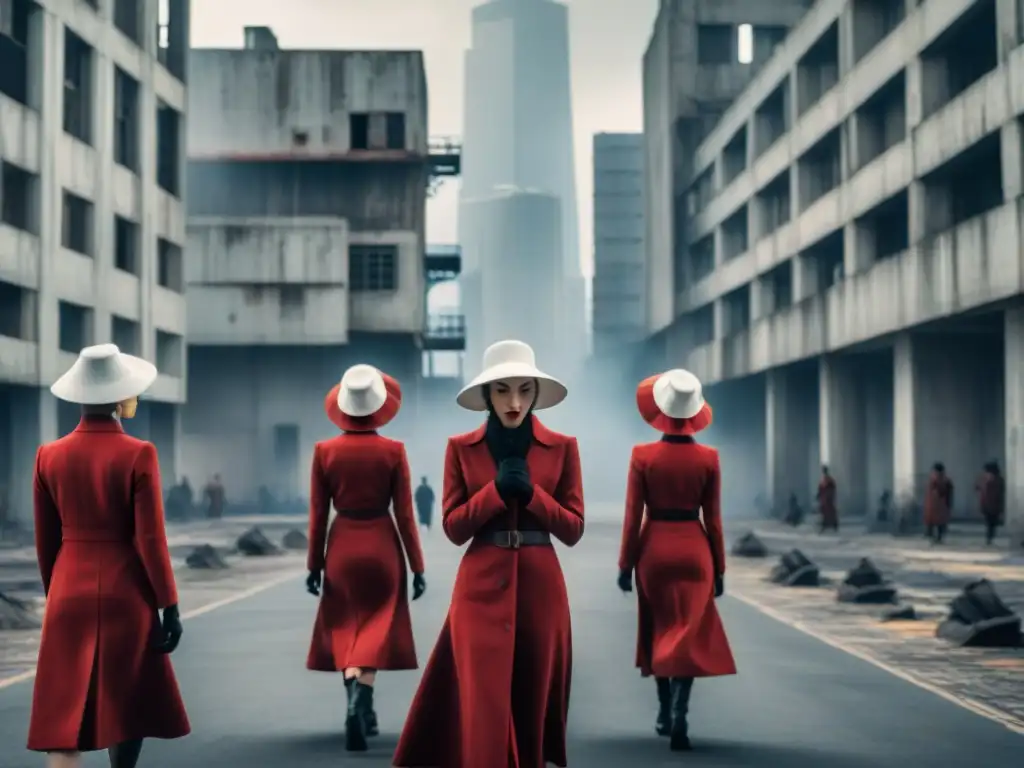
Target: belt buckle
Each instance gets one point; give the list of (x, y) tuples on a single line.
[(515, 539)]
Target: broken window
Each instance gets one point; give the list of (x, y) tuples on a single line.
[(128, 18), (169, 266), (15, 50), (126, 120), (77, 87), (76, 224), (373, 268), (125, 334), (359, 130), (18, 191), (75, 327), (168, 149), (126, 245), (395, 130)]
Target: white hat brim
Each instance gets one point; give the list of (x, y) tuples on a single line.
[(550, 391), (75, 387)]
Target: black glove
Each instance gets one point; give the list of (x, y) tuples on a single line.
[(513, 480), (626, 580), (170, 630), (313, 583), (419, 585), (719, 585)]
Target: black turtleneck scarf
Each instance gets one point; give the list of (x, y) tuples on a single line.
[(678, 439), (509, 443)]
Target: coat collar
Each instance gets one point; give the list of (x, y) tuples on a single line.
[(541, 434), (99, 424)]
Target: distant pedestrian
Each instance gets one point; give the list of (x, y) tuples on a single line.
[(795, 512), (938, 503), (827, 493), (104, 678), (363, 623), (425, 503), (215, 498), (991, 489), (676, 549)]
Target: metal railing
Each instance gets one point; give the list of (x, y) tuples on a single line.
[(446, 326)]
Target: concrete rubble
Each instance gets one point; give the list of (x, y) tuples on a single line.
[(295, 539), (254, 543), (206, 557), (17, 614)]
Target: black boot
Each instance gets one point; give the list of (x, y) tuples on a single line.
[(680, 735), (663, 725), (371, 714), (126, 754), (355, 722)]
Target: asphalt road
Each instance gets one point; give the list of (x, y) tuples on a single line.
[(796, 703)]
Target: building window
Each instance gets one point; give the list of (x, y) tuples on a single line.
[(18, 190), (126, 120), (75, 327), (15, 49), (78, 58), (169, 266), (168, 149), (372, 268), (125, 334), (293, 302), (359, 130), (76, 224), (395, 130), (126, 245), (128, 19), (170, 353), (376, 130)]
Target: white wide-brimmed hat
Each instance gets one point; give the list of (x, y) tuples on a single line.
[(364, 400), (511, 360), (673, 402), (104, 375)]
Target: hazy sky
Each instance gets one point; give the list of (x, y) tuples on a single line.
[(607, 41)]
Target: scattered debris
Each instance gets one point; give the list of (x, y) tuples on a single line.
[(749, 545), (866, 585), (979, 618), (901, 613), (795, 570), (206, 557), (17, 614), (295, 539), (253, 543)]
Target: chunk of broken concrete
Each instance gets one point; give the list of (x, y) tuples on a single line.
[(253, 543), (900, 613), (749, 545), (979, 618), (795, 569), (206, 557), (17, 614), (295, 539)]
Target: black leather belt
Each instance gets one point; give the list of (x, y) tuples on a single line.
[(362, 514), (674, 515), (515, 539)]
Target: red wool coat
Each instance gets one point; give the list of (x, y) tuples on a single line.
[(106, 570), (680, 633), (363, 619), (827, 493), (938, 500), (509, 608)]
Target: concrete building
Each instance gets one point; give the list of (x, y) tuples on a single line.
[(618, 314), (854, 245), (92, 112), (308, 175), (518, 133)]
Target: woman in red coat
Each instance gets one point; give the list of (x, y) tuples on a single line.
[(679, 561), (938, 503), (495, 693), (363, 624), (104, 678)]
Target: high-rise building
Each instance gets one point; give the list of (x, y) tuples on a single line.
[(518, 133), (619, 287), (308, 175), (91, 213)]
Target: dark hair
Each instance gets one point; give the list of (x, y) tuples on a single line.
[(938, 466), (99, 410)]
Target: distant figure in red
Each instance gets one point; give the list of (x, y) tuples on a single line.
[(938, 503), (363, 623), (827, 502), (991, 489), (104, 678), (679, 561), (495, 693)]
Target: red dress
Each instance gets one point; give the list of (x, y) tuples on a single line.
[(495, 693), (106, 570), (363, 619), (680, 632)]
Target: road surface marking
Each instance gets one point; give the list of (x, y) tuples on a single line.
[(1004, 719), (27, 675)]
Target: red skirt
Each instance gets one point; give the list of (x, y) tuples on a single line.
[(363, 620), (680, 632)]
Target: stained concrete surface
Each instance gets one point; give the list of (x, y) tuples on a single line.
[(795, 703)]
